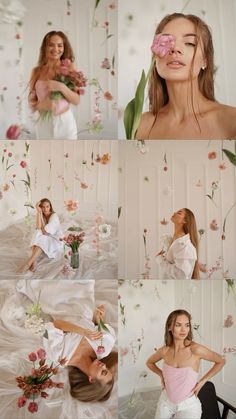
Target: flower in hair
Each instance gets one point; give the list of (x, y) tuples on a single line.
[(162, 44)]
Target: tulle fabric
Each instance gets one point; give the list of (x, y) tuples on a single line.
[(17, 342), (95, 262)]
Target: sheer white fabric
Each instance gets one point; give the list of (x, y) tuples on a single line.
[(50, 244), (59, 127), (15, 249), (74, 300), (179, 260)]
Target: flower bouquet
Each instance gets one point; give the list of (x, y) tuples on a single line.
[(74, 241), (34, 320), (74, 80), (33, 385)]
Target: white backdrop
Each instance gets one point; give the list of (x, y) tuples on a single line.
[(19, 51), (60, 171), (146, 305), (163, 177), (137, 21)]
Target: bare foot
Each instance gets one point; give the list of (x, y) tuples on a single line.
[(23, 268), (32, 268)]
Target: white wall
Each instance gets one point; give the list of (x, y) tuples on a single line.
[(66, 161), (148, 194), (19, 56), (137, 21), (147, 307)]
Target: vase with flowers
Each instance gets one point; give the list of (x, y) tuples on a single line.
[(74, 241)]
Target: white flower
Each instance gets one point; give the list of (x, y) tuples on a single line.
[(104, 230), (35, 324)]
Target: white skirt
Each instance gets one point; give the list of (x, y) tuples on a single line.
[(58, 127), (51, 246)]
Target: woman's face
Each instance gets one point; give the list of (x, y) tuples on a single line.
[(180, 328), (99, 371), (176, 65), (178, 217), (46, 208), (55, 48)]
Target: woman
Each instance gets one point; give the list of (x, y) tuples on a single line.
[(46, 238), (179, 374), (90, 378), (55, 119), (180, 259), (182, 103)]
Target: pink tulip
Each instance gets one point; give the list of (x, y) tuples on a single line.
[(13, 132), (33, 407), (162, 44), (66, 62), (44, 394), (41, 354), (32, 356), (21, 401), (100, 349)]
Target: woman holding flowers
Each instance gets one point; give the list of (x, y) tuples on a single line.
[(88, 349), (47, 236), (179, 260), (54, 85), (182, 102)]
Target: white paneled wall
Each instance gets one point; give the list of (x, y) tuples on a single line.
[(20, 55), (146, 309), (137, 23), (149, 194)]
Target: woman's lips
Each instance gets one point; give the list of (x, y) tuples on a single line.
[(175, 64)]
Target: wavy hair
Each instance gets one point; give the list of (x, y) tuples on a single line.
[(171, 319), (190, 227)]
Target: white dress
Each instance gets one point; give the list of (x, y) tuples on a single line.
[(179, 260), (50, 244), (60, 344)]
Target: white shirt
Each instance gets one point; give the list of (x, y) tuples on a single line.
[(179, 260)]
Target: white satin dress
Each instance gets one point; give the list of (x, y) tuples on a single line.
[(179, 260)]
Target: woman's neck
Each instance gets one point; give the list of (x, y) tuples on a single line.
[(83, 356), (185, 99), (179, 232)]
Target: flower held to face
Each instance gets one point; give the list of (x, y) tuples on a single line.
[(162, 44)]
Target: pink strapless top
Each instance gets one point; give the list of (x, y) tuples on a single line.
[(179, 382), (43, 92)]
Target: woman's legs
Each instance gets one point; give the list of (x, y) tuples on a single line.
[(165, 408), (189, 408), (36, 252)]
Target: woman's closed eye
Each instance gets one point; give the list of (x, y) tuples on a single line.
[(190, 44), (104, 372)]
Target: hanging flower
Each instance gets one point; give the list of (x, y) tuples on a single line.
[(13, 132), (214, 225), (212, 155), (228, 321), (71, 205), (104, 231)]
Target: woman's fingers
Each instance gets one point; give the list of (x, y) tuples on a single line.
[(95, 335)]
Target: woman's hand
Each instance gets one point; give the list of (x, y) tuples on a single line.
[(99, 313), (92, 334), (38, 208), (162, 381), (55, 86), (198, 387)]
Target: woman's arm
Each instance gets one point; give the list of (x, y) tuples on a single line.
[(73, 328), (151, 364), (57, 86), (204, 353), (39, 217)]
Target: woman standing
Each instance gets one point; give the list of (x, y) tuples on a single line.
[(55, 119), (179, 374)]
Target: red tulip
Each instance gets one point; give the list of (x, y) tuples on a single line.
[(33, 407), (21, 401)]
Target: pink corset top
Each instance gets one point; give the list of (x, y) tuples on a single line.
[(179, 382), (43, 92)]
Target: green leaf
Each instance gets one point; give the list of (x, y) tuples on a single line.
[(9, 167), (29, 205), (209, 196), (129, 118), (231, 156), (102, 326), (139, 99), (97, 3), (119, 211)]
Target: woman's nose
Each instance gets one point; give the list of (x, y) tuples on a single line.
[(176, 49)]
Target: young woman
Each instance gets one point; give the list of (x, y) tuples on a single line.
[(90, 378), (180, 259), (60, 122), (179, 374), (46, 238), (182, 103)]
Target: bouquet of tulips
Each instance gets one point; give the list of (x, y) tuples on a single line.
[(35, 384), (74, 241)]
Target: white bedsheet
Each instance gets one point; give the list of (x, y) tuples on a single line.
[(67, 299)]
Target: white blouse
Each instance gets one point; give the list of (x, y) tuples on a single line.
[(60, 344), (179, 260)]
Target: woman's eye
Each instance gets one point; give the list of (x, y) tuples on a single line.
[(190, 43), (104, 372)]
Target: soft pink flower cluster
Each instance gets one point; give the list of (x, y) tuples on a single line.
[(33, 385), (74, 241), (71, 205), (162, 44), (75, 80)]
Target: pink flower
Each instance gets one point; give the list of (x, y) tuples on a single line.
[(228, 321), (81, 91), (83, 185), (32, 356), (105, 24), (64, 70), (13, 132), (44, 394), (222, 166), (108, 96), (41, 353), (9, 154), (164, 222), (162, 45), (6, 187), (214, 225), (21, 401), (33, 407), (71, 205), (66, 62), (100, 349), (212, 155), (99, 220), (23, 164), (106, 64)]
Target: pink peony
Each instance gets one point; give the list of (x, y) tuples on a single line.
[(13, 132), (162, 44), (100, 349), (33, 407), (41, 354), (32, 356), (23, 164), (21, 401)]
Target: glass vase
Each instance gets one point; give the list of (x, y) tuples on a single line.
[(74, 260)]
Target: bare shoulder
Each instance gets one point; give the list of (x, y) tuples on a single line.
[(227, 116), (147, 119)]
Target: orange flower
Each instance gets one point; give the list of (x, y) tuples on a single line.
[(212, 155), (6, 187), (105, 158)]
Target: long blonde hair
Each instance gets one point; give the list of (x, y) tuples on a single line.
[(42, 201), (158, 94), (171, 319), (190, 227), (82, 389)]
